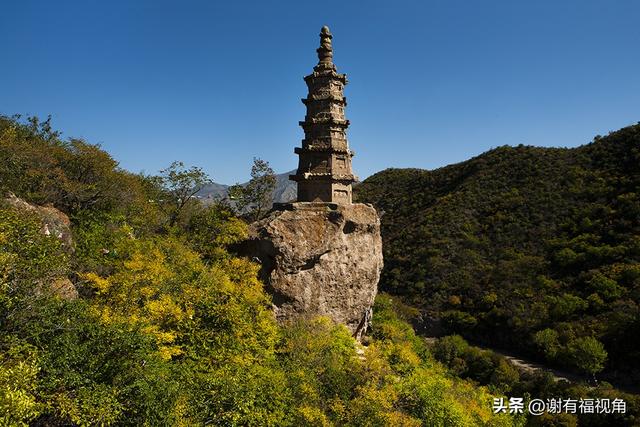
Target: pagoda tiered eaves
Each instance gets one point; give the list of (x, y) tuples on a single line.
[(324, 169)]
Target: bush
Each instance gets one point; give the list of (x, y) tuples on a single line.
[(449, 348), (547, 341), (587, 354)]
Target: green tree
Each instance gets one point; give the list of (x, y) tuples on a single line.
[(213, 228), (255, 198), (449, 348), (587, 354), (547, 341), (504, 376), (182, 185)]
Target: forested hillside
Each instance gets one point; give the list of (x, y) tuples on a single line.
[(168, 327), (526, 248)]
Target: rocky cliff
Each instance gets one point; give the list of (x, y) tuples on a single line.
[(320, 259)]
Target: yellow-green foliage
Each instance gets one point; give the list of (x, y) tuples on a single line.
[(25, 253), (167, 335), (428, 394), (393, 383), (166, 287), (213, 228), (423, 388), (173, 329), (150, 287), (18, 371)]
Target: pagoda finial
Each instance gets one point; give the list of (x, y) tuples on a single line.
[(325, 51)]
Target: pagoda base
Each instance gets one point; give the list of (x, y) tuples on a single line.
[(319, 259)]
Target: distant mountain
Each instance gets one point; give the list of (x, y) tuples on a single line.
[(285, 190), (528, 248), (213, 191)]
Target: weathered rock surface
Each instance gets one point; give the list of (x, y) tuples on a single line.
[(320, 259), (64, 288), (55, 224)]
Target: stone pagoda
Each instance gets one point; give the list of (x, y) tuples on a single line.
[(322, 255), (324, 169)]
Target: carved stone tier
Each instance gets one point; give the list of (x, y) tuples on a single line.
[(323, 176), (324, 167), (328, 98), (322, 149)]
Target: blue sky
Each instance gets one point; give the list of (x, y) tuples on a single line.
[(216, 83)]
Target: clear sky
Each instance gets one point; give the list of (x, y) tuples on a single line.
[(216, 83)]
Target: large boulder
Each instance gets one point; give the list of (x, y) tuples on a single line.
[(320, 259)]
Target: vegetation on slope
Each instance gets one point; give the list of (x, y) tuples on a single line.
[(170, 327), (527, 248)]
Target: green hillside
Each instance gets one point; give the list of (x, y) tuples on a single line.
[(168, 327), (122, 302), (527, 248)]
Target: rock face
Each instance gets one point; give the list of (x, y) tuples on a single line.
[(320, 259), (64, 288), (55, 224)]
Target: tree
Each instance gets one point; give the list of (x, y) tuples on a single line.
[(449, 348), (588, 355), (547, 341), (182, 184), (213, 228), (254, 198)]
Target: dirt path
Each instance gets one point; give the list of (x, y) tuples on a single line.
[(525, 365), (529, 366)]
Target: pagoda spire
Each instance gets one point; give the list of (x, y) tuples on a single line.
[(324, 167), (325, 51)]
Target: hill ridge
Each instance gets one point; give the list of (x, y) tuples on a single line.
[(522, 238)]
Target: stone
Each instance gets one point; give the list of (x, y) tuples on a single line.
[(54, 222), (322, 255), (324, 171), (64, 288), (320, 259)]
